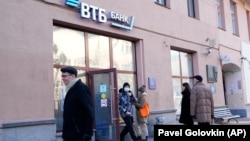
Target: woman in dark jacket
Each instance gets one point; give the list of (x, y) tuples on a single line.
[(185, 116)]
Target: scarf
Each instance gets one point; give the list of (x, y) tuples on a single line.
[(71, 83)]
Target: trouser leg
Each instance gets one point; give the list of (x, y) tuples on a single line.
[(144, 130), (123, 133), (129, 123), (137, 129)]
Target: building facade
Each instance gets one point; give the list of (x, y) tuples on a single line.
[(159, 43)]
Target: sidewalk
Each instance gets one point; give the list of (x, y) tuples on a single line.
[(242, 121)]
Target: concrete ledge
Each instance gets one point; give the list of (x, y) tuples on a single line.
[(28, 123), (36, 130), (163, 111)]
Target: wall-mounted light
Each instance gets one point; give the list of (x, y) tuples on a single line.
[(208, 51), (244, 58)]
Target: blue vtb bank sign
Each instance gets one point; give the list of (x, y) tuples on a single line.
[(100, 15)]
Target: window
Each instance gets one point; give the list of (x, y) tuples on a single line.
[(99, 51), (165, 3), (234, 18), (123, 55), (87, 51), (182, 71), (161, 2), (69, 47), (193, 8), (248, 24), (220, 14)]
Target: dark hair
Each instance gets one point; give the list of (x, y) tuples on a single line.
[(120, 90), (186, 85), (126, 84), (198, 77)]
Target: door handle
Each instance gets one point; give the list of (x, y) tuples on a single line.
[(112, 88)]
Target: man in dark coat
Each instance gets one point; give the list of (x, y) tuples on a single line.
[(78, 115)]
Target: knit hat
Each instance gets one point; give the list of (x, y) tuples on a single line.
[(198, 77), (142, 89)]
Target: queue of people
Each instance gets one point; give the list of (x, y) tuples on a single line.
[(78, 109), (127, 100), (197, 105)]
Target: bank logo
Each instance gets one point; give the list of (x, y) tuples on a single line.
[(73, 3), (129, 25), (100, 15)]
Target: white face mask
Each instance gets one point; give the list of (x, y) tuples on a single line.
[(126, 89)]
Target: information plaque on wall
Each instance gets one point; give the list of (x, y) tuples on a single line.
[(211, 73), (151, 83)]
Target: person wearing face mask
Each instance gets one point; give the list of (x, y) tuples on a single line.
[(126, 101)]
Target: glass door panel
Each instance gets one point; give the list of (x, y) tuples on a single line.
[(103, 84)]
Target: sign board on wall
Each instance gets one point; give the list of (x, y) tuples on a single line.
[(100, 15), (211, 73), (151, 83)]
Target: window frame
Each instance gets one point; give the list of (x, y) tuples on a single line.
[(126, 75), (193, 9), (234, 18), (220, 14), (248, 23), (180, 77), (165, 3)]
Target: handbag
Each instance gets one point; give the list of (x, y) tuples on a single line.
[(144, 111)]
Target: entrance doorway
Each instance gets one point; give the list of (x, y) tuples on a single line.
[(103, 84), (233, 89)]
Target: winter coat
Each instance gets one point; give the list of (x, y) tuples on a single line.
[(78, 114), (141, 102), (185, 116), (126, 103), (201, 103)]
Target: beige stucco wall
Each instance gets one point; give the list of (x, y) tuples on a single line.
[(26, 48), (26, 61)]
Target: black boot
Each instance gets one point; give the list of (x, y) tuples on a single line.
[(139, 138)]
